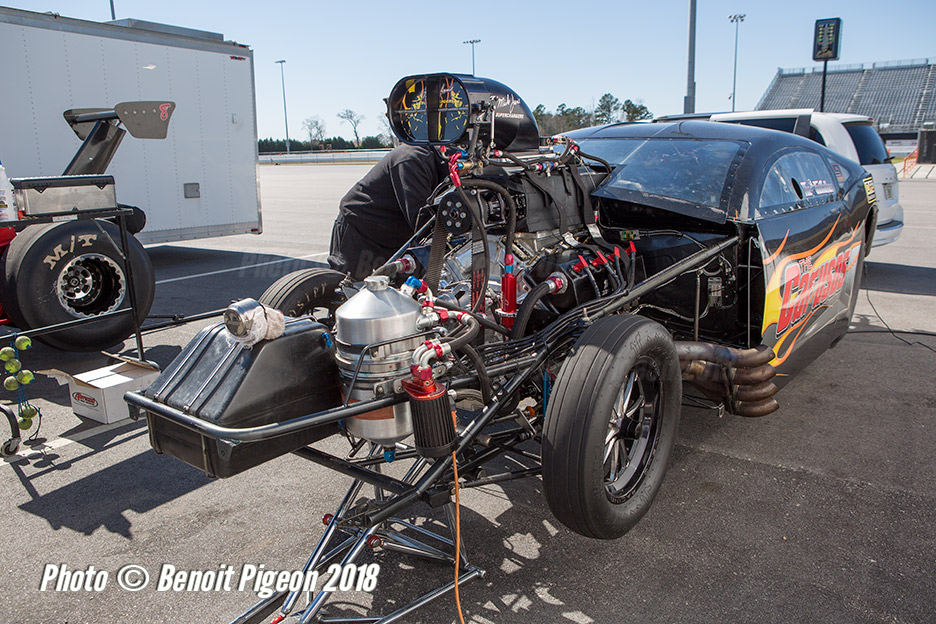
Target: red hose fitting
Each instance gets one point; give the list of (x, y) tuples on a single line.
[(422, 374), (407, 264), (421, 386), (557, 283)]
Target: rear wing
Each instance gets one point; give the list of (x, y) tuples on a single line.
[(100, 131)]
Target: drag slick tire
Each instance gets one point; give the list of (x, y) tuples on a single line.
[(308, 292), (610, 426), (66, 271)]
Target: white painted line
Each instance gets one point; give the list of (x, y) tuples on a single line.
[(323, 255), (29, 452)]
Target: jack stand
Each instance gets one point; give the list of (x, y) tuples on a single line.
[(394, 534)]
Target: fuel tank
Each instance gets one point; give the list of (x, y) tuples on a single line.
[(368, 330)]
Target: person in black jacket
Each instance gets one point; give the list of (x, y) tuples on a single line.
[(382, 210)]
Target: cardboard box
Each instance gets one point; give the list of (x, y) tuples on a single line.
[(98, 394)]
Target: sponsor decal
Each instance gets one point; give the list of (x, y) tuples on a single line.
[(806, 287), (801, 285), (84, 399), (509, 101), (869, 190), (837, 170)]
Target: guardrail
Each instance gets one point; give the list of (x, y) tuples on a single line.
[(325, 156)]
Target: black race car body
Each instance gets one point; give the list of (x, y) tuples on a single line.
[(562, 301), (804, 213)]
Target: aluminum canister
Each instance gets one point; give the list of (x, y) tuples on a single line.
[(364, 325)]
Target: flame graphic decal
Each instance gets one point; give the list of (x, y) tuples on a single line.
[(801, 287)]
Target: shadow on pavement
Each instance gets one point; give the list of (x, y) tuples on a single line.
[(900, 278), (193, 281), (138, 484)]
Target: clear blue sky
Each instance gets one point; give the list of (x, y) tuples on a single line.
[(348, 54)]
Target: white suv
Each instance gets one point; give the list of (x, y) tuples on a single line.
[(852, 136)]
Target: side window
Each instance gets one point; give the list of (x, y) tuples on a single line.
[(796, 180), (815, 136)]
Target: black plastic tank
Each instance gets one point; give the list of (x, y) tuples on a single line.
[(217, 380)]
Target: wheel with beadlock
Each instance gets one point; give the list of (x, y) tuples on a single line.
[(610, 426), (307, 292), (61, 272)]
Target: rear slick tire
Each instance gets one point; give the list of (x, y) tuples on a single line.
[(73, 270), (610, 426)]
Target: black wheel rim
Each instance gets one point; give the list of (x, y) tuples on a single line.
[(633, 431), (320, 310)]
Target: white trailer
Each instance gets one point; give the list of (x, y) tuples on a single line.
[(198, 180), (201, 180)]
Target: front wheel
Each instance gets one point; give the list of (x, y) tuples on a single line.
[(308, 292), (610, 426)]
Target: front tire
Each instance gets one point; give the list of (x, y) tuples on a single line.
[(610, 426), (307, 292), (73, 270)]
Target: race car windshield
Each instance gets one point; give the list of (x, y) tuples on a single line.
[(680, 170)]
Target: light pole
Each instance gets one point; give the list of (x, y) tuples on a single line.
[(689, 100), (113, 14), (735, 19), (285, 117), (472, 42)]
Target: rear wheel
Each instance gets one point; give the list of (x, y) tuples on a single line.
[(308, 292), (73, 270), (610, 426)]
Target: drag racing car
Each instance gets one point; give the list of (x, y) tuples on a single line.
[(563, 299)]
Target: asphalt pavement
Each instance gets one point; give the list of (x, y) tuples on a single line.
[(821, 512)]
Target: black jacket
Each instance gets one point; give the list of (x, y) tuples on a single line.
[(382, 210)]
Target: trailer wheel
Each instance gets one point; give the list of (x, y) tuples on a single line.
[(610, 426), (66, 271), (308, 292)]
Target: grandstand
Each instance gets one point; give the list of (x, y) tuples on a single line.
[(897, 94)]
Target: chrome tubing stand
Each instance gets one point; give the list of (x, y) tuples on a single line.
[(392, 535)]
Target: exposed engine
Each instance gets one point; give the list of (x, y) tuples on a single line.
[(514, 246)]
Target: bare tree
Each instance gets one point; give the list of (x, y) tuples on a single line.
[(386, 135), (315, 128), (354, 119)]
